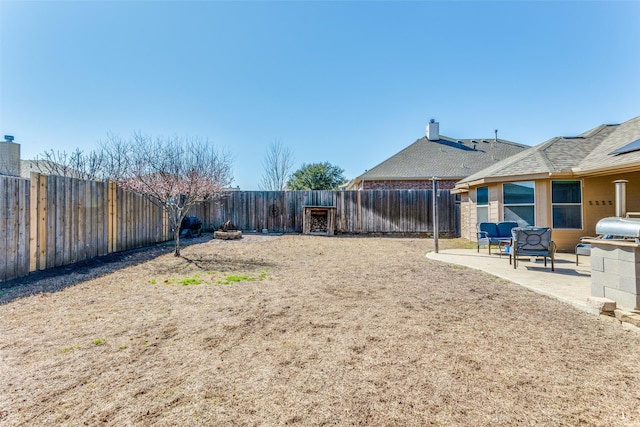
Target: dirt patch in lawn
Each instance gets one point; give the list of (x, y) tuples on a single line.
[(304, 330)]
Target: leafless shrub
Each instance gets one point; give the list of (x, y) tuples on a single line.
[(278, 164), (174, 173)]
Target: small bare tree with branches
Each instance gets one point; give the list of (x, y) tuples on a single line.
[(278, 164), (76, 164), (174, 173)]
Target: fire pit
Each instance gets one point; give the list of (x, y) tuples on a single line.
[(227, 231)]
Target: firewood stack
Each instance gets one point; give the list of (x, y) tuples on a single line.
[(319, 223), (227, 226)]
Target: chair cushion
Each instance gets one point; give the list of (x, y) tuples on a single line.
[(583, 249), (490, 227), (504, 228), (532, 239)]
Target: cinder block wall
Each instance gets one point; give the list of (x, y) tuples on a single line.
[(615, 273)]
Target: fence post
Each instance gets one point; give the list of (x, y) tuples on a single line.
[(33, 222), (359, 212), (43, 183), (434, 204), (112, 232)]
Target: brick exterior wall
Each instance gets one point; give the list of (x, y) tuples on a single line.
[(407, 185)]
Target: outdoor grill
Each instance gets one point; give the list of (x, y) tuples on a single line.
[(615, 255), (619, 228), (190, 226)]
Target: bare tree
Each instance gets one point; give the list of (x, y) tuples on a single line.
[(278, 164), (174, 173), (76, 164)]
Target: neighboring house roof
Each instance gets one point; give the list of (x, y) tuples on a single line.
[(47, 167), (586, 154), (39, 166), (446, 158)]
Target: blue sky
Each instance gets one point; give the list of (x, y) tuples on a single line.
[(351, 83)]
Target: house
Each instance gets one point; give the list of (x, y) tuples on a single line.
[(435, 155), (565, 183), (9, 157), (12, 165)]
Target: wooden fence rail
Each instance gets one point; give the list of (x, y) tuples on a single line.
[(365, 211), (50, 221)]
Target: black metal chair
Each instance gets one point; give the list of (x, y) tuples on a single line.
[(532, 241)]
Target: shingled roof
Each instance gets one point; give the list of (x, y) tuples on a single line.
[(446, 158), (585, 154)]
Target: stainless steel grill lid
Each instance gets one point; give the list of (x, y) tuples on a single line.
[(619, 227)]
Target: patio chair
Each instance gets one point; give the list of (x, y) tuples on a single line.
[(534, 242), (494, 234), (583, 248)]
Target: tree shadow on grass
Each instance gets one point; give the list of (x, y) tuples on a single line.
[(59, 278), (221, 264)]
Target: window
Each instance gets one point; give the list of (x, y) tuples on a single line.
[(566, 204), (519, 202), (482, 202)]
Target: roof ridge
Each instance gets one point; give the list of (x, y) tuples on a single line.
[(487, 140), (445, 157), (596, 130)]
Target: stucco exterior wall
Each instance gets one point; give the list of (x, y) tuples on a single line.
[(470, 204), (495, 203), (598, 201), (467, 223), (600, 194), (543, 203)]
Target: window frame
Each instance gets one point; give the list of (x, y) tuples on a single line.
[(532, 204), (484, 206), (580, 204)]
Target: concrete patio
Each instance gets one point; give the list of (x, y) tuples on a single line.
[(568, 283)]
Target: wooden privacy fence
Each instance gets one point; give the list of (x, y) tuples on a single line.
[(50, 221), (364, 211)]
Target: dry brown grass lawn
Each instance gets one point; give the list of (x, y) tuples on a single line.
[(317, 331)]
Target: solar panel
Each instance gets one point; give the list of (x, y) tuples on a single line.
[(633, 146)]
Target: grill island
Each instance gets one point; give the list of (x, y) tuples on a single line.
[(615, 261)]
